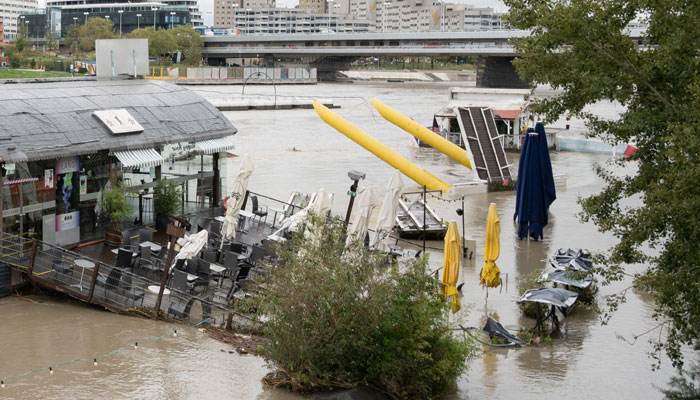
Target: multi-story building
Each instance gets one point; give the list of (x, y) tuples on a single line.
[(430, 15), (2, 36), (295, 20), (321, 6), (10, 11), (224, 9), (59, 15)]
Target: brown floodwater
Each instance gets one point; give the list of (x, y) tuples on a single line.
[(295, 150)]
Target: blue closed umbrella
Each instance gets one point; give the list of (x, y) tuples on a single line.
[(535, 187)]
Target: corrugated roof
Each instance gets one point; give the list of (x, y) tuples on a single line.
[(54, 119)]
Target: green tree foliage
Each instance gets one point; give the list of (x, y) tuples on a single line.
[(50, 40), (160, 42), (96, 28), (115, 205), (685, 386), (190, 42), (167, 197), (21, 39), (72, 38), (581, 48), (354, 318)]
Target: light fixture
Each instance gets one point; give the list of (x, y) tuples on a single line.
[(2, 384), (94, 361), (136, 345), (175, 333), (50, 370)]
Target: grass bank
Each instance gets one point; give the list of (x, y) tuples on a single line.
[(6, 73)]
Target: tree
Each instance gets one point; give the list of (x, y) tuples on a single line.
[(349, 317), (582, 48), (160, 42), (95, 28), (51, 42), (73, 37), (21, 39), (190, 42)]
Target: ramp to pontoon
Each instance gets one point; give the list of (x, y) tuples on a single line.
[(478, 128)]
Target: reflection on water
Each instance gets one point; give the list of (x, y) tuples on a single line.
[(585, 361)]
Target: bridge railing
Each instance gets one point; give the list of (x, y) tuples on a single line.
[(248, 74)]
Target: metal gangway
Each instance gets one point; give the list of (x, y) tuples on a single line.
[(116, 289), (478, 128)]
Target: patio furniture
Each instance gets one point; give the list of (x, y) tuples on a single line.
[(258, 210), (210, 255), (145, 234), (124, 258)]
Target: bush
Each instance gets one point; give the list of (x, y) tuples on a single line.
[(345, 318), (167, 197), (14, 61), (115, 206)]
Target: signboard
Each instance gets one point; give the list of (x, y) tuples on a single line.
[(118, 121), (65, 165), (83, 184), (48, 179), (67, 221)]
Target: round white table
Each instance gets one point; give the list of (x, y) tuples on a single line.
[(155, 288)]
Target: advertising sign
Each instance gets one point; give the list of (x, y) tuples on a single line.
[(68, 221), (48, 179), (65, 165), (83, 184)]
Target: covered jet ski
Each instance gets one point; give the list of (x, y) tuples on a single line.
[(565, 278), (554, 298), (574, 259), (495, 329)]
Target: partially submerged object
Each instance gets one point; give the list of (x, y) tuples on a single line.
[(409, 219), (553, 298), (496, 330), (573, 259), (566, 278)]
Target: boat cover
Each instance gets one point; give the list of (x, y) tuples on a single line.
[(495, 329), (575, 259), (565, 278), (555, 296)]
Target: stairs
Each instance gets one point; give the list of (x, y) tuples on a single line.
[(479, 130)]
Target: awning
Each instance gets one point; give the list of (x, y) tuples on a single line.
[(214, 146), (507, 114), (142, 158)]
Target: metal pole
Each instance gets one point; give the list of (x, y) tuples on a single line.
[(425, 206), (464, 248), (2, 177), (174, 232), (21, 221), (352, 193)]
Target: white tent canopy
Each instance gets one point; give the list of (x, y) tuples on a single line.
[(367, 201), (387, 213)]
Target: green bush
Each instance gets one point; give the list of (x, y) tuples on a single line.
[(345, 318), (115, 205), (167, 198), (14, 61)]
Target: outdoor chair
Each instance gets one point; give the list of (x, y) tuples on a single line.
[(127, 243), (180, 283), (163, 253), (147, 262), (239, 248), (145, 235), (215, 226), (131, 291), (210, 255), (192, 266), (256, 254), (110, 283), (124, 257), (180, 264), (258, 210)]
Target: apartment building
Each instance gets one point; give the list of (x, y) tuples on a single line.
[(296, 20), (10, 11), (319, 5), (430, 15), (224, 9)]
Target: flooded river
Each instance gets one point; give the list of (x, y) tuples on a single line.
[(295, 150)]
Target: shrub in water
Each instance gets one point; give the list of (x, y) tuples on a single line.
[(339, 317)]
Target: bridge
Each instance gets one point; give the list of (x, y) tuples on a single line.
[(334, 52)]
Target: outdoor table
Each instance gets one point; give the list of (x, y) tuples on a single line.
[(83, 264), (154, 247), (216, 268), (155, 289), (246, 216), (116, 252), (191, 277), (276, 238), (220, 218)]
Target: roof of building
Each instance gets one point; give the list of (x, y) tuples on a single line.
[(55, 119)]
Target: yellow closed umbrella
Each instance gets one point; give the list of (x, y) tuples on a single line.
[(490, 274), (450, 266)]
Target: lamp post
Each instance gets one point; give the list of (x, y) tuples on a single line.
[(86, 14), (120, 22), (355, 176), (154, 9), (75, 20), (138, 21), (172, 18)]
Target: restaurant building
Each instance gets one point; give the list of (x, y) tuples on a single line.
[(62, 144)]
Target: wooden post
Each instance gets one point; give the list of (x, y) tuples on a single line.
[(95, 271), (32, 258), (174, 232)]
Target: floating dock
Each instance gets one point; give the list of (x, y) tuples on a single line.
[(268, 103)]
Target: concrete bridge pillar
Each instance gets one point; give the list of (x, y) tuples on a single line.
[(498, 72)]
